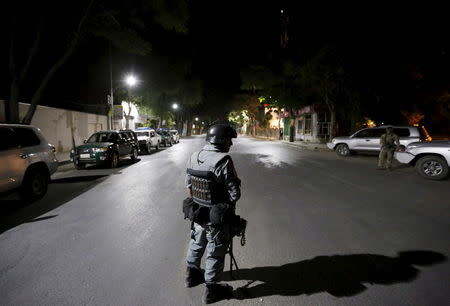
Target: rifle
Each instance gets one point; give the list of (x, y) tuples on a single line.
[(237, 229)]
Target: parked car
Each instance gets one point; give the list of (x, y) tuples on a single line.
[(368, 140), (175, 136), (27, 161), (148, 138), (132, 137), (431, 159), (166, 138), (104, 148)]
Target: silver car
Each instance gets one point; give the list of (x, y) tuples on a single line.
[(26, 161), (368, 140), (431, 159)]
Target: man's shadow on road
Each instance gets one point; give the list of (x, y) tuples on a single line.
[(339, 275)]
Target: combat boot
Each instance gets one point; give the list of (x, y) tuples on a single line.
[(217, 292), (194, 277)]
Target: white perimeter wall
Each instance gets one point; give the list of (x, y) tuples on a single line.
[(60, 126)]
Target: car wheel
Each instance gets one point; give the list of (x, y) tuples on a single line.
[(149, 148), (170, 143), (114, 160), (157, 146), (80, 166), (134, 155), (432, 167), (35, 185), (342, 150)]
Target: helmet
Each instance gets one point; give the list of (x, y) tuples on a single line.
[(218, 133)]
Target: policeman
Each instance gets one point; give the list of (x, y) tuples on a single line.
[(211, 180), (389, 143)]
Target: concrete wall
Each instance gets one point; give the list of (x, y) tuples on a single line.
[(62, 127)]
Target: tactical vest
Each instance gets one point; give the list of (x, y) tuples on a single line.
[(389, 140), (206, 189)]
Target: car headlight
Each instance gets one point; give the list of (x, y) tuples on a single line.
[(98, 150), (410, 148)]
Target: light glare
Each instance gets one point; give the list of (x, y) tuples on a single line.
[(131, 80)]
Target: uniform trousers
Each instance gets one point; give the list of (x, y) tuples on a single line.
[(213, 240)]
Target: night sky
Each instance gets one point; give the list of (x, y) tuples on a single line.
[(404, 58)]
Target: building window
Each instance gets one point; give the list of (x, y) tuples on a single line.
[(308, 124), (323, 117)]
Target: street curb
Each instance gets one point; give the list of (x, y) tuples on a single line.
[(62, 163), (310, 147)]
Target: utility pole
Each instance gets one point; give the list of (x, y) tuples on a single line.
[(111, 99)]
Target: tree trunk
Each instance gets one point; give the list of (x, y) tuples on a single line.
[(332, 124), (189, 125), (12, 105), (331, 107), (127, 117), (292, 130)]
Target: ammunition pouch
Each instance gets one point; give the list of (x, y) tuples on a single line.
[(221, 214), (194, 212)]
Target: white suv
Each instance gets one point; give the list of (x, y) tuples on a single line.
[(431, 159), (369, 139), (175, 136), (26, 161), (148, 138)]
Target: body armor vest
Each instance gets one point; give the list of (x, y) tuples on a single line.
[(206, 190)]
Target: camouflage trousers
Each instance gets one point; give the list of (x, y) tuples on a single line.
[(385, 158)]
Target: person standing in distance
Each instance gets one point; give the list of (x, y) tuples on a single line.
[(211, 179), (389, 143)]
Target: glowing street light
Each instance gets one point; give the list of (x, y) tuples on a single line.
[(196, 118), (130, 80), (175, 106)]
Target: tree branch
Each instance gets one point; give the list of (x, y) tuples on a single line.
[(70, 49), (12, 60), (34, 48)]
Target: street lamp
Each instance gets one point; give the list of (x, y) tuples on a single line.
[(196, 118), (130, 80), (175, 106)]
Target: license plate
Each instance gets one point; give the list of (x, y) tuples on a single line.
[(85, 155)]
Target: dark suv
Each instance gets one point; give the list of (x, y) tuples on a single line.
[(132, 137), (104, 148), (166, 137)]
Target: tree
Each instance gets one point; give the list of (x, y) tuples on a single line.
[(87, 20), (325, 75)]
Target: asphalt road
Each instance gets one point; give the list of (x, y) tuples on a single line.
[(322, 230)]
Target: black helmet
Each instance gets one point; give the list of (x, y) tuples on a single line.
[(217, 133)]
